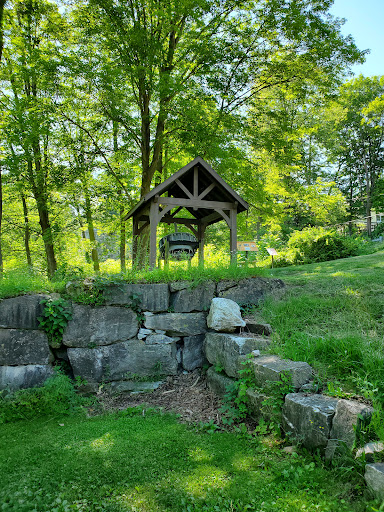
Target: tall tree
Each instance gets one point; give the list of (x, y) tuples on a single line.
[(225, 52), (355, 140), (30, 72)]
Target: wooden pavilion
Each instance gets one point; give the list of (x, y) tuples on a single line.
[(198, 189)]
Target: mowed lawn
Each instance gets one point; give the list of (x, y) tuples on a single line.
[(332, 316), (146, 461)]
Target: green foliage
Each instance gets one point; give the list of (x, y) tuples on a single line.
[(56, 397), (276, 391), (234, 407), (317, 244), (54, 320)]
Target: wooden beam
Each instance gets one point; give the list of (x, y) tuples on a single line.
[(201, 238), (196, 203), (195, 182), (169, 219), (212, 217), (233, 236), (153, 221), (206, 191), (184, 189), (180, 220), (225, 217)]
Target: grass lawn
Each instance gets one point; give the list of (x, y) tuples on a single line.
[(332, 316), (135, 462)]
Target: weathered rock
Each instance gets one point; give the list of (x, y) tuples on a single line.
[(193, 352), (259, 328), (143, 333), (151, 297), (225, 350), (156, 339), (193, 299), (121, 361), (255, 404), (105, 325), (23, 347), (27, 376), (21, 312), (177, 324), (224, 315), (308, 418), (219, 383), (176, 286), (374, 476), (369, 450), (346, 424), (133, 386), (270, 368), (249, 291)]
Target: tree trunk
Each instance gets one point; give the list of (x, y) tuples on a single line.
[(91, 231), (46, 231), (27, 234), (368, 200), (120, 193), (1, 219)]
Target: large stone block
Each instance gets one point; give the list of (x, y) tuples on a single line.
[(249, 291), (224, 315), (21, 312), (349, 417), (193, 299), (271, 368), (219, 383), (308, 418), (27, 376), (177, 324), (374, 476), (225, 350), (151, 297), (193, 352), (19, 347), (123, 360), (100, 326)]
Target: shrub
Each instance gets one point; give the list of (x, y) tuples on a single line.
[(313, 245), (57, 397)]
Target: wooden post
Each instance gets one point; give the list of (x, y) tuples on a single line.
[(153, 221), (135, 229), (233, 236), (201, 235), (166, 255)]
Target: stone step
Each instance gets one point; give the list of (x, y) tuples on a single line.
[(308, 418), (374, 476), (259, 328), (225, 350), (349, 418), (218, 383), (271, 368)]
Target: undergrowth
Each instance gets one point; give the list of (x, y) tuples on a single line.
[(55, 398)]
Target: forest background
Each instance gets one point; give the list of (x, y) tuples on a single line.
[(101, 100)]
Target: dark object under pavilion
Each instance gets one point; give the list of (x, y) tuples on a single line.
[(202, 192)]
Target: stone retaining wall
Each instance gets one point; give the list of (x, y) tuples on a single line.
[(113, 343)]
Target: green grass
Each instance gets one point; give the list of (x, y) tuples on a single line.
[(147, 462), (332, 316)]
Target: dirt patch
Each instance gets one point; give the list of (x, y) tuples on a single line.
[(186, 395)]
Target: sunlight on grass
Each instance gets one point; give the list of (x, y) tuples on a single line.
[(205, 479), (102, 444), (199, 455)]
